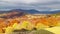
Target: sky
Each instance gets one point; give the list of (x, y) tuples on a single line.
[(29, 4)]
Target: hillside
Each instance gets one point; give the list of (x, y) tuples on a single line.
[(27, 20)]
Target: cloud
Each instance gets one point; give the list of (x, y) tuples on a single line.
[(30, 4)]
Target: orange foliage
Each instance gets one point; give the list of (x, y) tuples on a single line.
[(11, 22), (51, 21)]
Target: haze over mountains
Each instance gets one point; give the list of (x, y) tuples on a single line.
[(32, 11)]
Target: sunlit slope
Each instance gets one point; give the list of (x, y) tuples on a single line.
[(55, 30)]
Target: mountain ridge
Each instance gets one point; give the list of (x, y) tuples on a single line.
[(31, 11)]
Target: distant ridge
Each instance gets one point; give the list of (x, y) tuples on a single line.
[(32, 11)]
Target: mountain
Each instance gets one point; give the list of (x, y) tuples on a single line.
[(12, 14), (32, 11), (19, 12)]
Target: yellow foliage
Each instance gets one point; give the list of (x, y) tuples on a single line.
[(15, 25), (25, 24), (30, 26), (9, 30)]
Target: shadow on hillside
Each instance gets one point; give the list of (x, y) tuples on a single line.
[(32, 32)]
